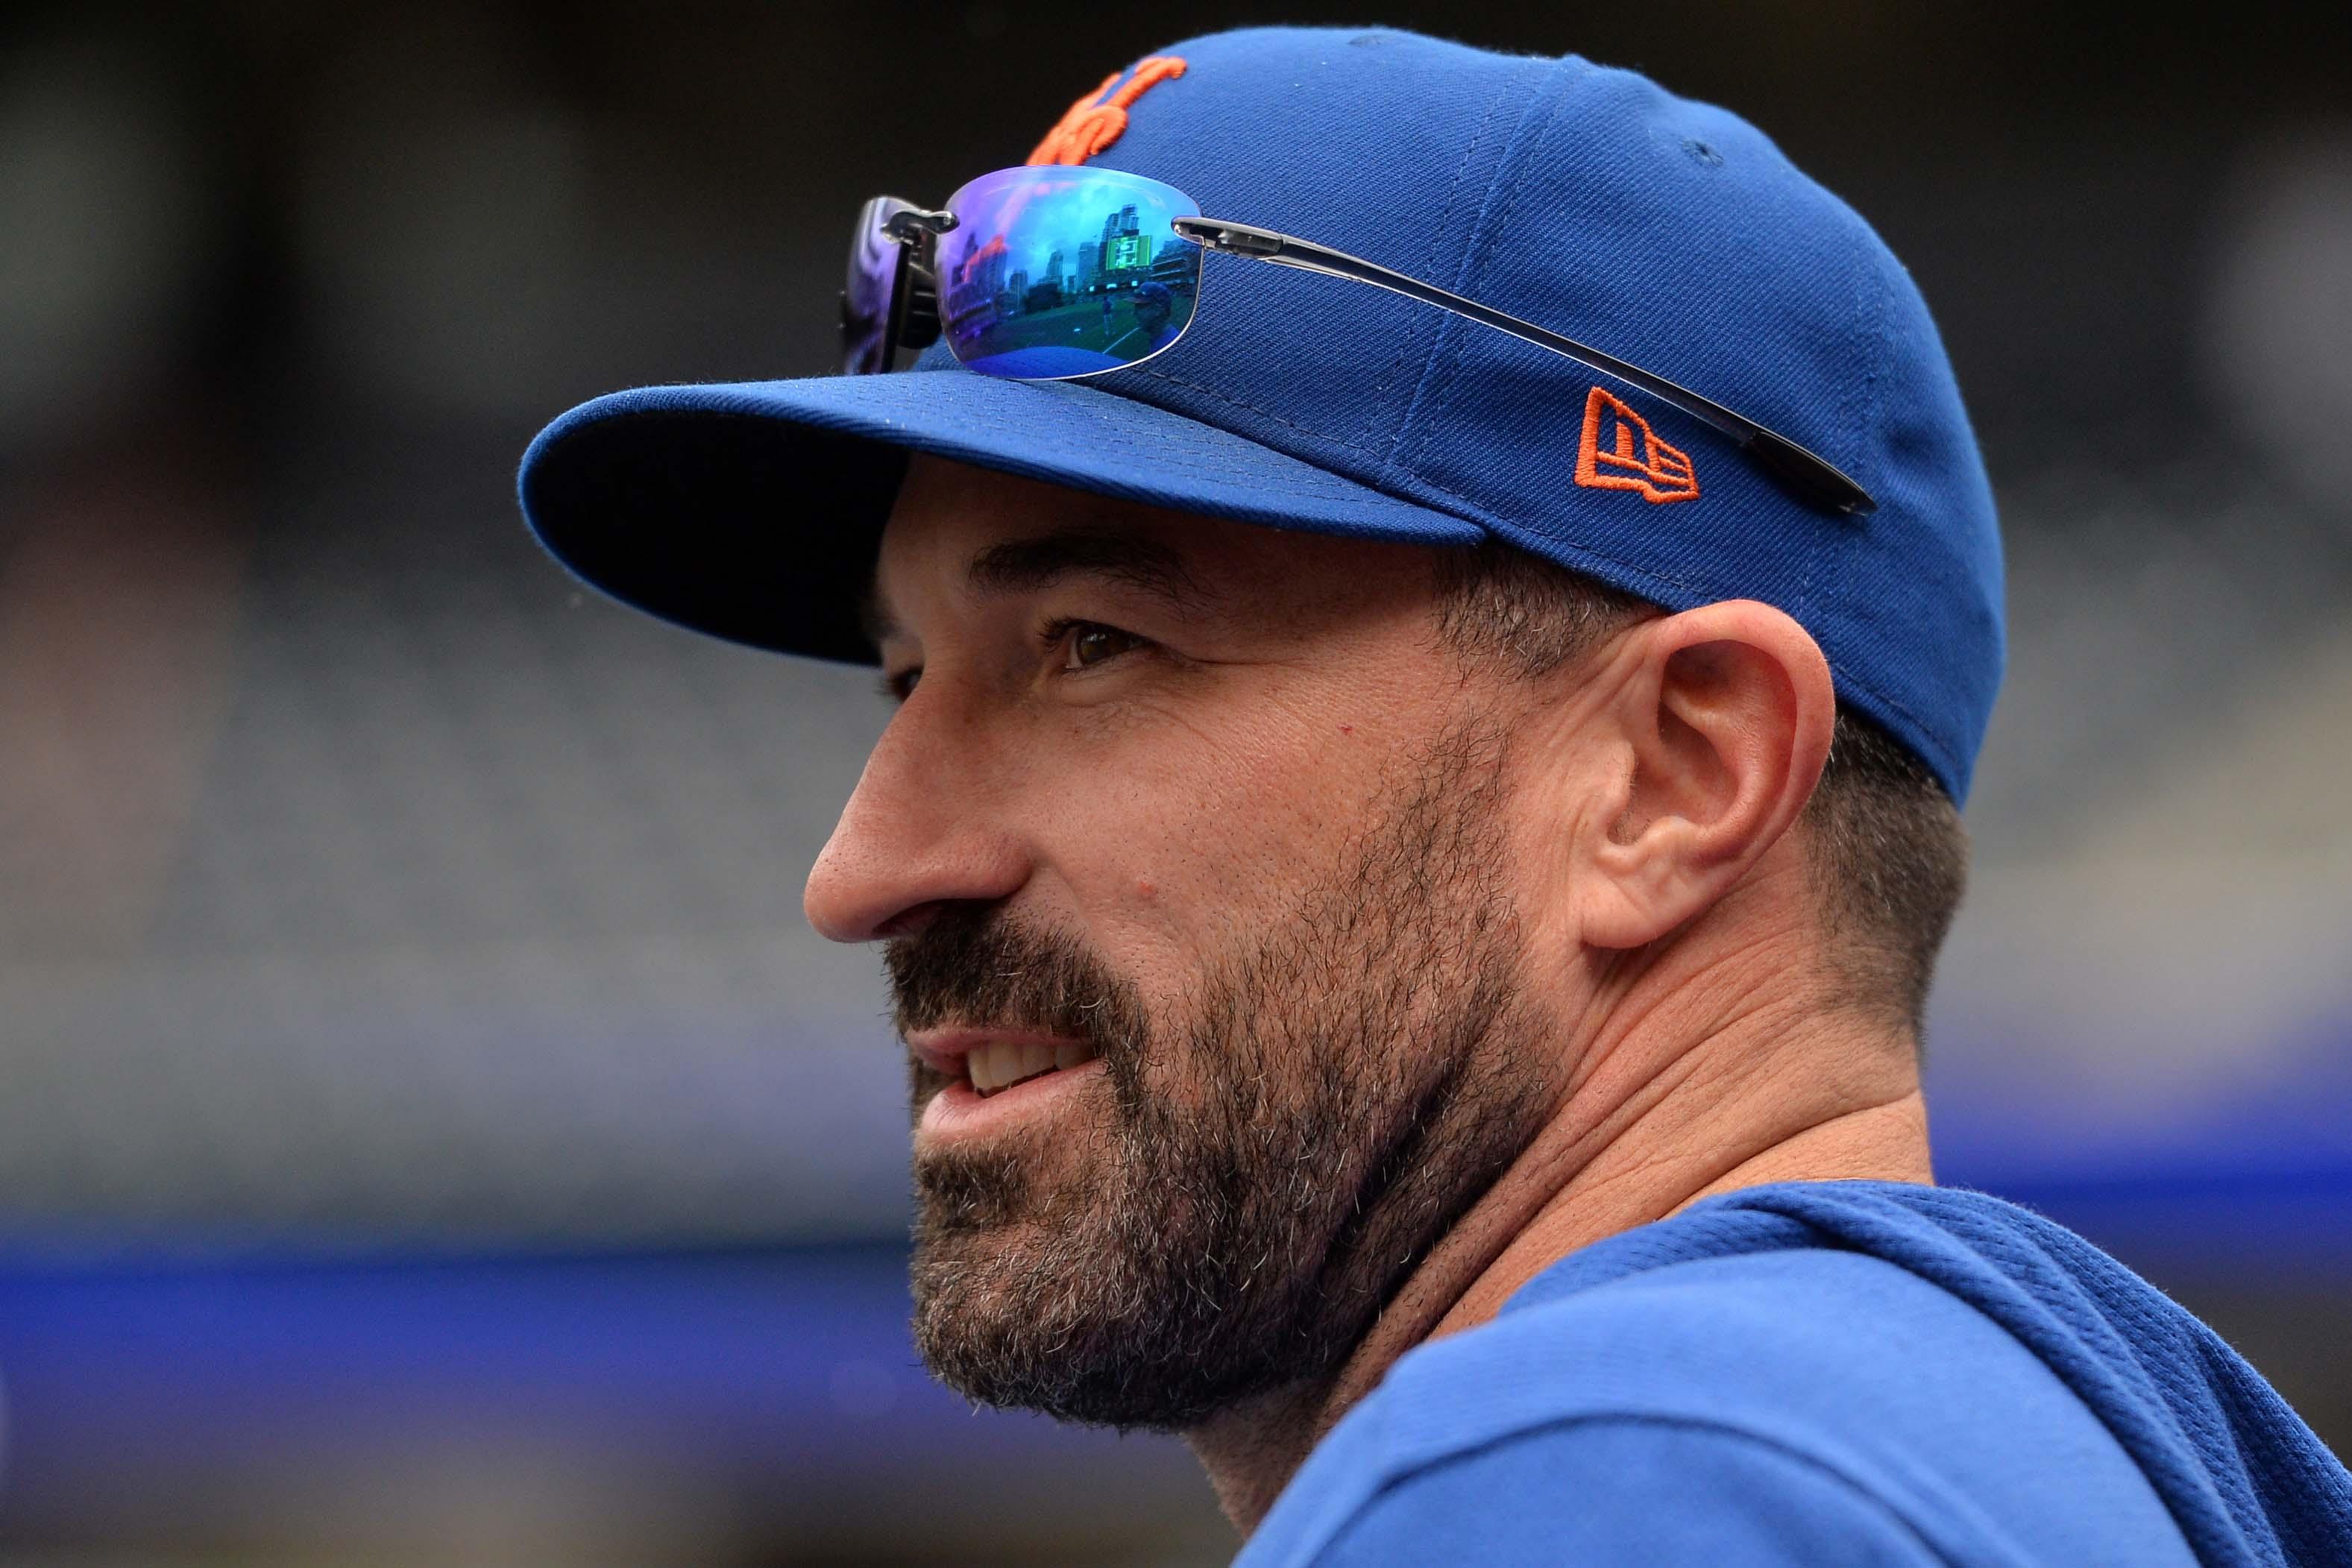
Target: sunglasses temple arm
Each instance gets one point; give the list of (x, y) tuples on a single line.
[(1810, 478)]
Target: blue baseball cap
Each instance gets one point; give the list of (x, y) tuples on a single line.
[(1587, 200)]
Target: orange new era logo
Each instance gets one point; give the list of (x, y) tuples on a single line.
[(1659, 472)]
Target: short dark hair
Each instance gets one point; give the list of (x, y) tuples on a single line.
[(1889, 855)]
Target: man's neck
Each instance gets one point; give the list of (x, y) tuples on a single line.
[(1758, 1095)]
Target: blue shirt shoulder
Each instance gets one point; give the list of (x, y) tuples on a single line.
[(1785, 1408)]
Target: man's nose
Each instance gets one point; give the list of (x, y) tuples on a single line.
[(924, 827)]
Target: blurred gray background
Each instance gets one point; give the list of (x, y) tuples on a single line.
[(371, 898)]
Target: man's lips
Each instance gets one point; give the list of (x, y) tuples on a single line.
[(975, 1081), (989, 1060)]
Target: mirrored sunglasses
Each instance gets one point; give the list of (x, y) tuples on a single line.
[(1056, 272)]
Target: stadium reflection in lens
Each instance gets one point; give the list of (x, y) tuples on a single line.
[(1053, 273)]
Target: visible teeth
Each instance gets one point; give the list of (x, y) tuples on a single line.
[(1000, 1064), (982, 1065)]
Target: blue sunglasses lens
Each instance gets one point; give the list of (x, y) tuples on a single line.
[(1053, 273)]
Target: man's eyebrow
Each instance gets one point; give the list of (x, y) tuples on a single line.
[(875, 618), (1019, 566)]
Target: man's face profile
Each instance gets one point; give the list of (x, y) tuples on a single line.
[(1203, 812)]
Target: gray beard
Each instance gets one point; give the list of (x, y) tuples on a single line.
[(1280, 1158)]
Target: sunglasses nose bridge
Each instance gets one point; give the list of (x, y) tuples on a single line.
[(910, 225)]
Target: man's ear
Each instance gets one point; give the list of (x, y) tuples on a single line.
[(1721, 718)]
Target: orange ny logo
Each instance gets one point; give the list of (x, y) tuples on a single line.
[(1095, 122)]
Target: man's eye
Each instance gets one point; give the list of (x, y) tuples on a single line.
[(1087, 645), (899, 684)]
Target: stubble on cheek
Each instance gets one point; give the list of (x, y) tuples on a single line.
[(1260, 1171)]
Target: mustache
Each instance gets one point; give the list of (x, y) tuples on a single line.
[(976, 965)]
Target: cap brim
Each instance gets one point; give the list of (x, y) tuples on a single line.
[(753, 511)]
